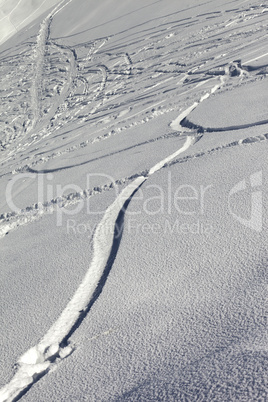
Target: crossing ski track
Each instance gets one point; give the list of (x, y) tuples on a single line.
[(55, 344), (12, 221), (83, 107)]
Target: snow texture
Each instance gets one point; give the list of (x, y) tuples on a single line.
[(133, 213)]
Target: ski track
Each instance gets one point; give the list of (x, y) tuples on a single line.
[(13, 220), (37, 361), (180, 125), (33, 118), (54, 345), (58, 122), (192, 126), (114, 131), (176, 125), (243, 142), (43, 45), (38, 62), (59, 99)]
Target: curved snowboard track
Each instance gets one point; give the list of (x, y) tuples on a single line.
[(37, 361)]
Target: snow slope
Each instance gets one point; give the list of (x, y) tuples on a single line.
[(16, 14), (133, 177), (251, 95)]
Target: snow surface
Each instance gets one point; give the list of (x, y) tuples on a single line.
[(16, 14), (253, 98), (133, 210)]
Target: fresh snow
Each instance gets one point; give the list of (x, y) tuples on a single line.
[(133, 216), (15, 14), (189, 141), (36, 361)]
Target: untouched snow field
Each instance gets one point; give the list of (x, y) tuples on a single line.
[(133, 203)]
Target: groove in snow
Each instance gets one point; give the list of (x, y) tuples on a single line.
[(189, 141), (176, 124)]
